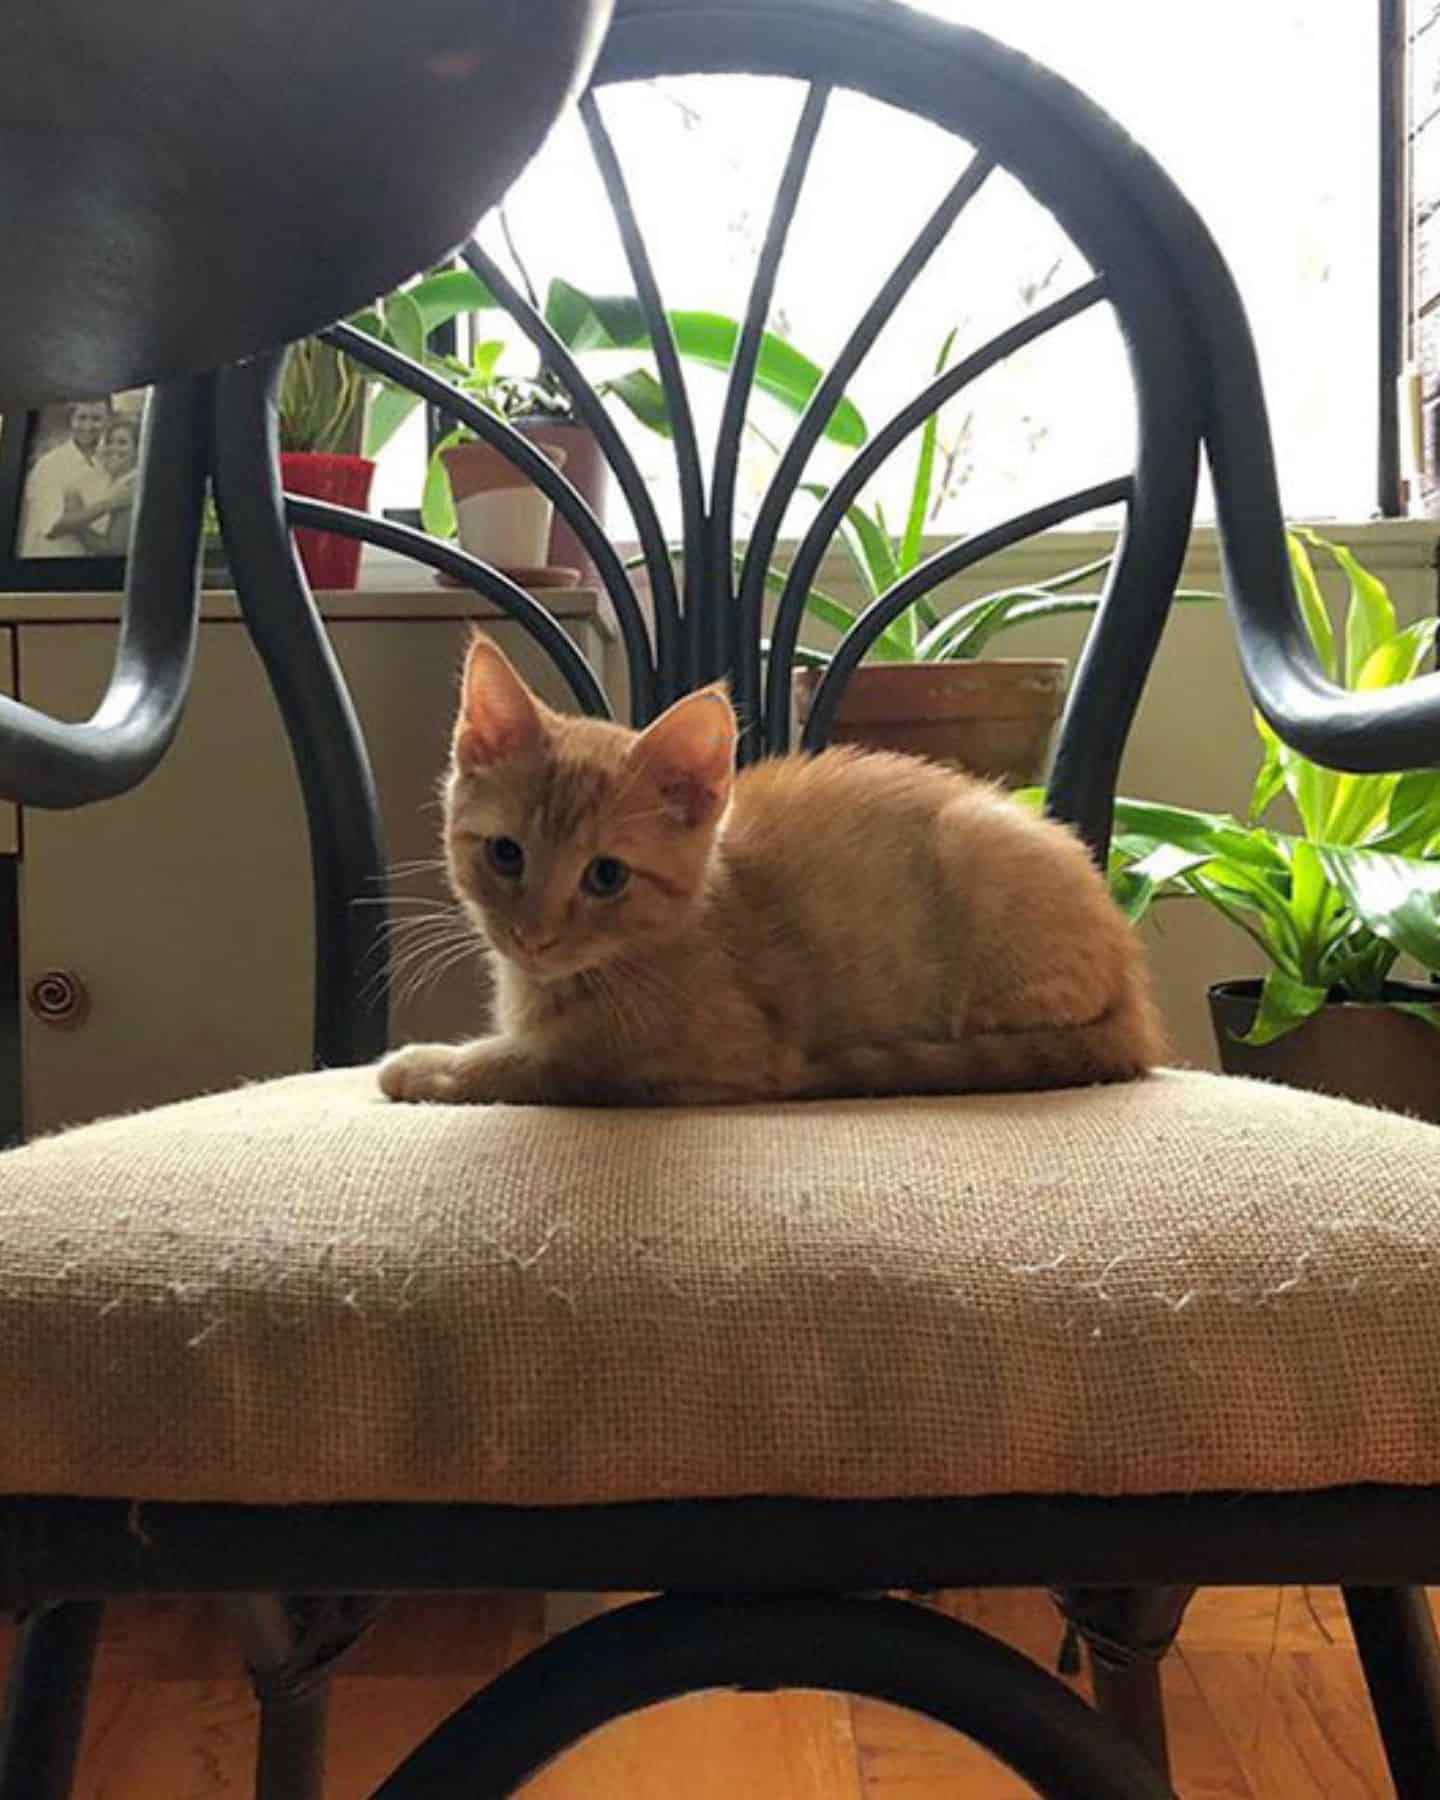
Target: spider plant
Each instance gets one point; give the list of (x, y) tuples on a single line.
[(321, 400), (881, 557)]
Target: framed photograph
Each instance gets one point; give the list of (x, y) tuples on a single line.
[(67, 493)]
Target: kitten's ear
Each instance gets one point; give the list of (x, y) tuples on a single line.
[(689, 754), (499, 716)]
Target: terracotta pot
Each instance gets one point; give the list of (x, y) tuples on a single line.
[(993, 717), (503, 517), (589, 474), (1359, 1052), (329, 560)]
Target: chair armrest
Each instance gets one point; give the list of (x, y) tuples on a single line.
[(1372, 732), (44, 762)]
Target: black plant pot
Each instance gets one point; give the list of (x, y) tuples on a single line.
[(1370, 1053)]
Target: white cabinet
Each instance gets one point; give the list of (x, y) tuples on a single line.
[(180, 914)]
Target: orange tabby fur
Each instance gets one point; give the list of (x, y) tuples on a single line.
[(831, 925)]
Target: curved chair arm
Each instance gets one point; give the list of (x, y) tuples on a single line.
[(44, 762), (1372, 732), (1376, 731)]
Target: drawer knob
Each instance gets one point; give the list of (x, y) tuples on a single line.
[(59, 998)]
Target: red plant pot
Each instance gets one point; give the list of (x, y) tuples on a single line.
[(329, 560)]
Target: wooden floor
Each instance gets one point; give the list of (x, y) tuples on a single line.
[(1265, 1702)]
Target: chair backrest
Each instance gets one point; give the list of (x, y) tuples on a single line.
[(711, 618), (1191, 366)]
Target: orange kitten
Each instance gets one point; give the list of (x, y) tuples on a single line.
[(669, 933)]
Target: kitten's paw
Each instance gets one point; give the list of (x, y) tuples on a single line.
[(423, 1073)]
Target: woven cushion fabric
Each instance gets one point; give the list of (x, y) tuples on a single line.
[(298, 1292)]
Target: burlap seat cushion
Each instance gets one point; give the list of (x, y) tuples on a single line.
[(298, 1292)]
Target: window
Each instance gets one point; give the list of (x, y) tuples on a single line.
[(1264, 111)]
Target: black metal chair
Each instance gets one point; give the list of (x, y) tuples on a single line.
[(763, 1575)]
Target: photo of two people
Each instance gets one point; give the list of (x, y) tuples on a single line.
[(79, 492)]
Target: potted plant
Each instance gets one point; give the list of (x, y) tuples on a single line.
[(922, 687), (473, 491), (321, 403), (1335, 903)]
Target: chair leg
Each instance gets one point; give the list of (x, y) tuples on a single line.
[(1395, 1635), (292, 1646), (290, 1759), (45, 1704), (1127, 1631)]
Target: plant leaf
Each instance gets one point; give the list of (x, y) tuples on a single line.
[(617, 322), (914, 532), (828, 611), (390, 407), (643, 394), (447, 294), (404, 324), (1273, 930), (437, 504), (1270, 780), (1136, 884), (1369, 618), (867, 544), (1284, 1004), (1312, 604), (781, 371), (1399, 657), (877, 544), (1360, 805), (484, 357), (1312, 902), (1413, 824), (1054, 606), (1217, 834), (825, 607), (1072, 577), (584, 321), (965, 632), (1310, 787), (1396, 897), (1356, 961)]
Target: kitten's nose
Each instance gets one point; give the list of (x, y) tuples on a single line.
[(534, 939)]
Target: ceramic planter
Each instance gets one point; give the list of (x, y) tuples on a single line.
[(503, 517), (991, 716), (1359, 1052), (329, 560), (589, 474)]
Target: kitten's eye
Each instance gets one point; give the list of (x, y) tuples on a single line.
[(505, 857), (605, 877)]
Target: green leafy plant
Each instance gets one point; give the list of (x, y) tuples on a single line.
[(509, 397), (321, 400), (585, 324), (1334, 903), (881, 557)]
